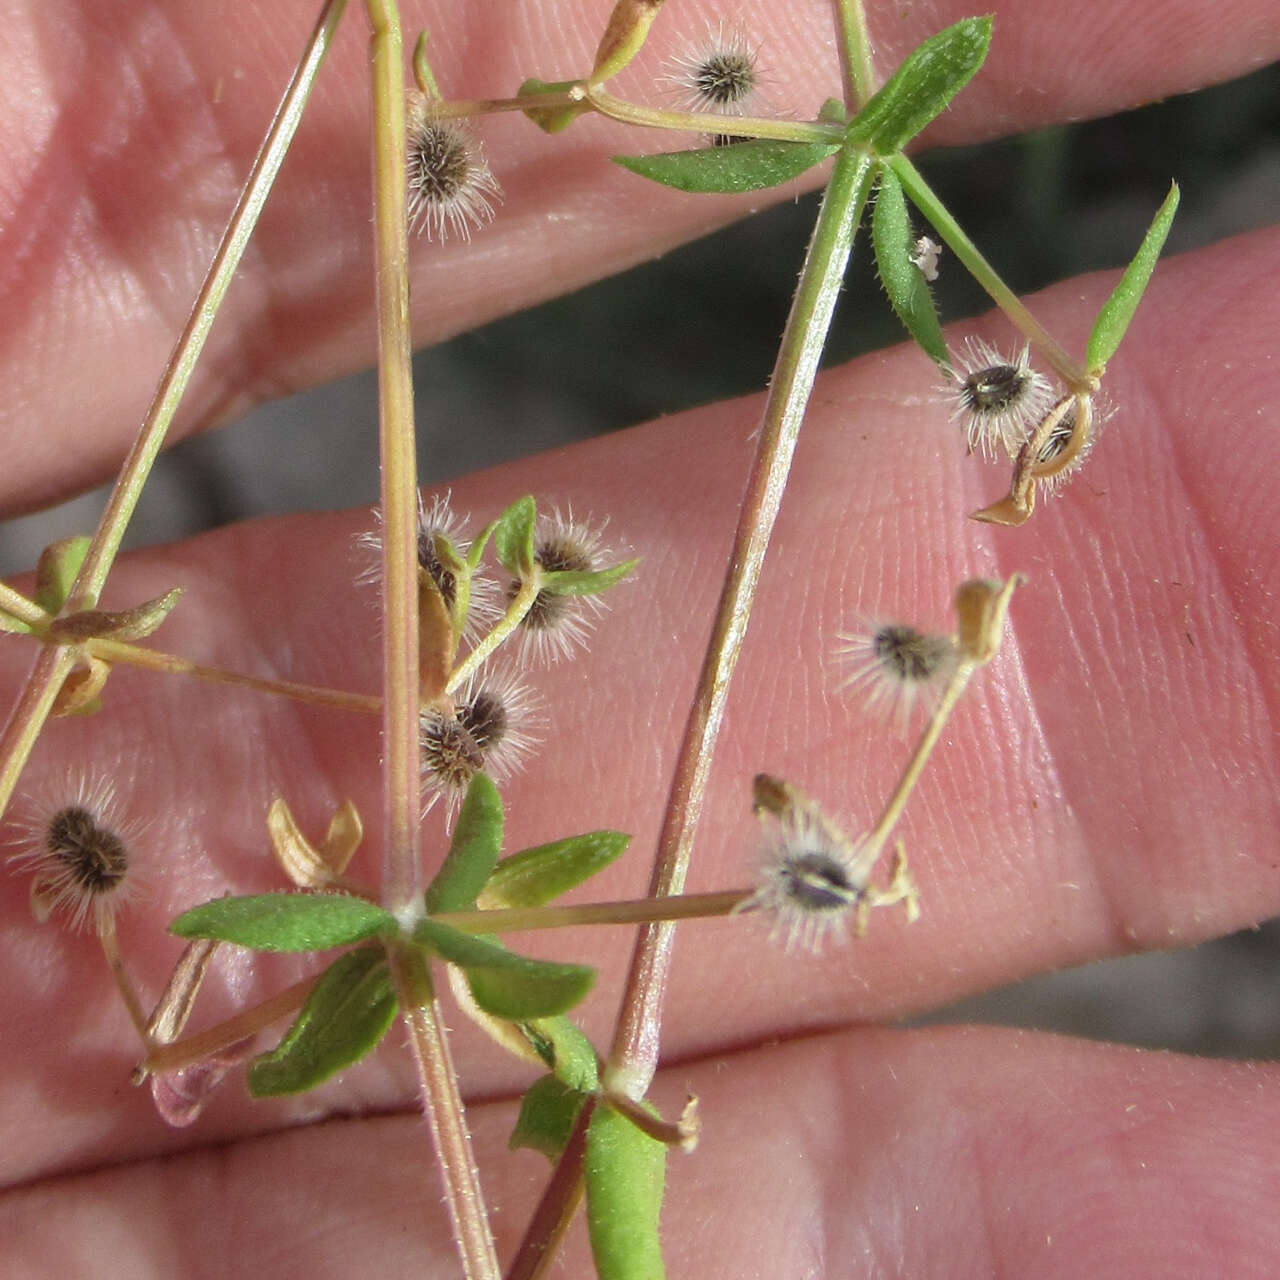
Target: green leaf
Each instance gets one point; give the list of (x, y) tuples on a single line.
[(473, 854), (548, 1112), (1117, 311), (584, 582), (503, 983), (930, 76), (568, 1053), (56, 572), (347, 1013), (625, 1170), (286, 921), (513, 537), (907, 288), (744, 166), (539, 875), (552, 119), (477, 547)]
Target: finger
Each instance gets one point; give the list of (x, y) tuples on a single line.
[(1108, 783), (128, 142), (965, 1151)]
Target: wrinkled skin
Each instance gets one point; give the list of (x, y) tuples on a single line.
[(1108, 786)]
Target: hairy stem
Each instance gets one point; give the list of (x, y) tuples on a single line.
[(633, 1057), (855, 53), (442, 1104), (401, 873)]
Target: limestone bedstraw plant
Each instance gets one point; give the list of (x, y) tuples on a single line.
[(454, 720)]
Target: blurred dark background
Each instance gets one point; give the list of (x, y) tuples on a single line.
[(1043, 206)]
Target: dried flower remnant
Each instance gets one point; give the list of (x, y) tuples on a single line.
[(1000, 401), (451, 187), (895, 665), (78, 851), (492, 726), (558, 624)]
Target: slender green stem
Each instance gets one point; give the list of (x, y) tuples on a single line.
[(634, 1054), (16, 605), (685, 906), (708, 122), (855, 53), (520, 605), (923, 197), (401, 802)]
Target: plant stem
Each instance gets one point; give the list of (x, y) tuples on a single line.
[(192, 1049), (685, 906), (401, 879), (520, 605), (633, 1057), (855, 53), (924, 198), (711, 122), (16, 605), (173, 382), (442, 1104), (30, 712), (401, 875), (132, 655), (124, 983)]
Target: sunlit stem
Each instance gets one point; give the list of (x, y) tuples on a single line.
[(633, 1056), (949, 230)]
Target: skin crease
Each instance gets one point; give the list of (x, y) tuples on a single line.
[(1108, 785)]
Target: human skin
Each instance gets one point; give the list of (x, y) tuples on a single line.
[(1108, 785)]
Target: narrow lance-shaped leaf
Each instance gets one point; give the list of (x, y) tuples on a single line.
[(513, 537), (903, 281), (929, 77), (625, 1171), (1118, 310), (286, 921), (345, 1016), (539, 875), (584, 582), (504, 984), (744, 166), (477, 841)]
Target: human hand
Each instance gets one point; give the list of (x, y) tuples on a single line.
[(1104, 787)]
